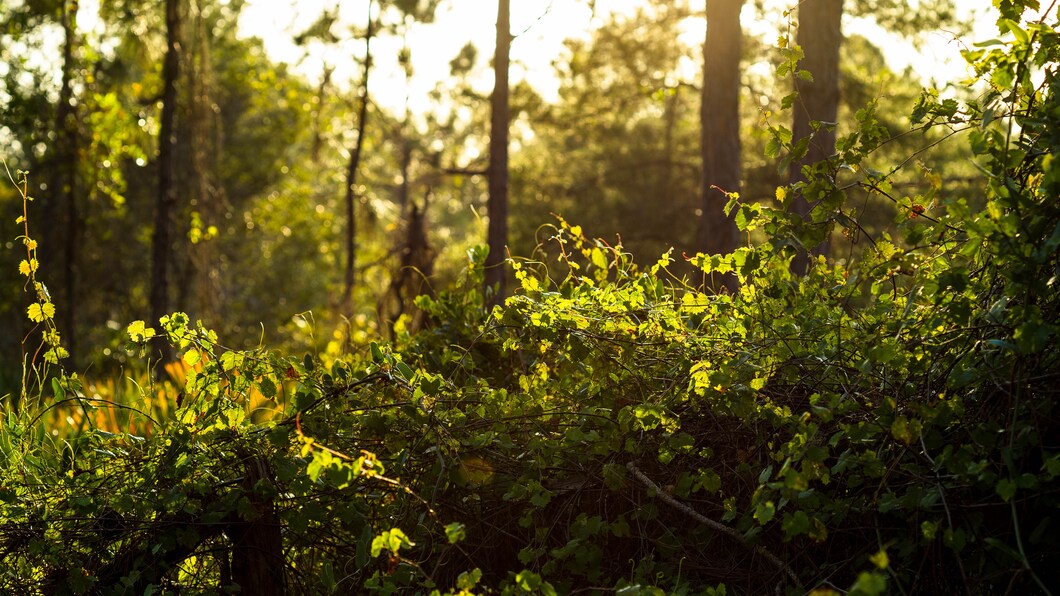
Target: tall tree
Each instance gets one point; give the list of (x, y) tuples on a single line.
[(65, 172), (720, 126), (166, 196), (819, 35), (201, 291), (500, 116), (351, 172)]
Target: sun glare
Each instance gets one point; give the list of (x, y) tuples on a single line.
[(540, 28)]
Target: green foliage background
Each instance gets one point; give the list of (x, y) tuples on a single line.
[(884, 423)]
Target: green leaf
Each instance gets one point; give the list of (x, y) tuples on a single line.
[(599, 258), (396, 540), (192, 357), (1052, 466), (391, 540), (1017, 31), (765, 512), (528, 581), (139, 331), (708, 480), (468, 579), (267, 388), (615, 476), (905, 430), (869, 584), (528, 282), (1006, 489), (1033, 336), (880, 559), (541, 498), (929, 529), (231, 360), (404, 371), (78, 581), (796, 524), (455, 532), (1005, 548)]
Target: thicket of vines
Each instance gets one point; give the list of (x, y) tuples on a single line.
[(881, 426)]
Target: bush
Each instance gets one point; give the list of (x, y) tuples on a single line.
[(881, 426)]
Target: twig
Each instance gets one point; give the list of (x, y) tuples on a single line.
[(632, 467)]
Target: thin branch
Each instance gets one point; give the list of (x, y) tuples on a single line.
[(731, 533)]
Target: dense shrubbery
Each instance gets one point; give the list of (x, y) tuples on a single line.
[(884, 425)]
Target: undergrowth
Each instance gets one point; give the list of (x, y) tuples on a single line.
[(885, 426)]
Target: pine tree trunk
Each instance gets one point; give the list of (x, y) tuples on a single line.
[(720, 128), (166, 197), (820, 36), (497, 235), (258, 561), (203, 131), (66, 118), (351, 175)]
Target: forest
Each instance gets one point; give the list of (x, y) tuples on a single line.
[(728, 301)]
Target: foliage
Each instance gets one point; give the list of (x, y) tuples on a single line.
[(627, 123), (880, 425)]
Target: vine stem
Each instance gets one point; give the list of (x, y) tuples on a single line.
[(731, 533)]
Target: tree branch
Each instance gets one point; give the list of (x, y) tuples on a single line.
[(731, 533)]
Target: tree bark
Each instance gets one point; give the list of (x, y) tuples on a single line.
[(351, 174), (500, 117), (258, 561), (318, 117), (66, 126), (820, 36), (203, 131), (166, 197), (720, 128)]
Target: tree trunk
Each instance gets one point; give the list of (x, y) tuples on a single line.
[(66, 126), (351, 174), (203, 130), (258, 562), (500, 116), (720, 128), (820, 36), (166, 198), (318, 116)]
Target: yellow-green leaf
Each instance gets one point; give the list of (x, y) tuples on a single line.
[(391, 540), (881, 559), (56, 354), (192, 357), (765, 512), (599, 258), (139, 331), (530, 283), (38, 312)]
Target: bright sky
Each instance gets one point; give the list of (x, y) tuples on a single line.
[(540, 27)]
